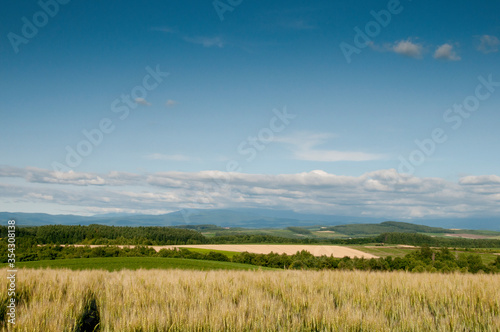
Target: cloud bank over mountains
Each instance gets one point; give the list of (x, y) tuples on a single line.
[(381, 193)]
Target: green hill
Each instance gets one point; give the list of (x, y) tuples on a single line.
[(135, 263)]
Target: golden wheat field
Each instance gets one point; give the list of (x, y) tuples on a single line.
[(178, 300)]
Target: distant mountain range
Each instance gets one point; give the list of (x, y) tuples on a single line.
[(248, 218)]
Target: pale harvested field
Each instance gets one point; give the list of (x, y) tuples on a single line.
[(289, 249), (468, 236), (176, 300)]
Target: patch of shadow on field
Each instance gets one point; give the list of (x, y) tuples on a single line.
[(89, 320), (22, 295)]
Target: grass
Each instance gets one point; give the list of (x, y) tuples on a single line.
[(488, 258), (382, 251), (135, 263), (177, 300), (206, 251)]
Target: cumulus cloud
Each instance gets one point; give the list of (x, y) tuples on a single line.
[(446, 52), (142, 101), (304, 148), (408, 48), (403, 47), (488, 44), (480, 180), (381, 193)]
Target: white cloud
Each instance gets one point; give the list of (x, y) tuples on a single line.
[(170, 103), (408, 48), (304, 148), (488, 44), (38, 196), (165, 29), (169, 157), (199, 40), (446, 52), (480, 180), (381, 193), (296, 24), (37, 175), (142, 101), (206, 41)]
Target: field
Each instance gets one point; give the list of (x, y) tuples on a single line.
[(384, 251), (289, 249), (135, 263), (177, 300)]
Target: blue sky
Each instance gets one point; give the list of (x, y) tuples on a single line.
[(220, 108)]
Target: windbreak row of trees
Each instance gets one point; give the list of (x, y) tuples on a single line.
[(416, 239), (422, 260), (100, 234)]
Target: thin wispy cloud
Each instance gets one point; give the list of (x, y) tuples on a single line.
[(164, 29), (446, 52), (488, 44), (297, 24), (304, 146), (142, 101), (170, 103), (206, 41)]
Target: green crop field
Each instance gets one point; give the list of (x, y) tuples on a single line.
[(135, 263), (383, 251), (206, 251), (488, 256)]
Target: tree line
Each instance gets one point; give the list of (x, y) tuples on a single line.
[(126, 235), (421, 260)]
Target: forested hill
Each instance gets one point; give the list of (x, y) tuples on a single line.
[(100, 234), (385, 227)]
